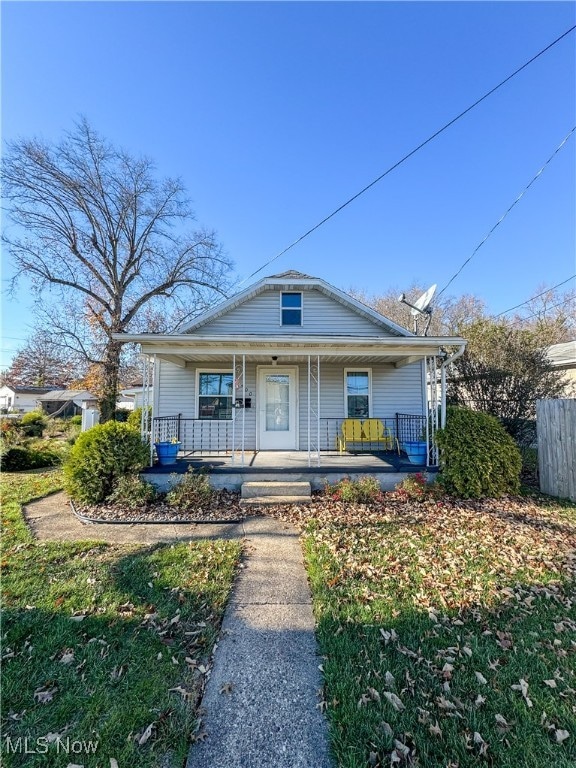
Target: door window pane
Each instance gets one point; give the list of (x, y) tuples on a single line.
[(277, 403), (215, 395), (358, 394)]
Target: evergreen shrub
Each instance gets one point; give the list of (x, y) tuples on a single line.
[(135, 417), (18, 459), (33, 423), (100, 457), (478, 458)]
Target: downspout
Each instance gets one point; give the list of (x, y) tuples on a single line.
[(459, 352)]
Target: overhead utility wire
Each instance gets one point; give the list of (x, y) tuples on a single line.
[(406, 157), (501, 219), (536, 297), (535, 314)]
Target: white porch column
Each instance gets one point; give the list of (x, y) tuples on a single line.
[(313, 413)]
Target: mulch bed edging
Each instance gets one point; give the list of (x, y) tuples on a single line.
[(144, 521)]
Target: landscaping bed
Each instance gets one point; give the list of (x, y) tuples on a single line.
[(220, 507)]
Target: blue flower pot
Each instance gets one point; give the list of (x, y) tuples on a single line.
[(416, 451), (167, 453)]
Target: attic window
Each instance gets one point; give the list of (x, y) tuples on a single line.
[(291, 308)]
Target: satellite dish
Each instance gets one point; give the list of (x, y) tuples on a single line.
[(421, 305)]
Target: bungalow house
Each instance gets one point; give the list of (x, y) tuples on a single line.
[(66, 402), (293, 365), (20, 399)]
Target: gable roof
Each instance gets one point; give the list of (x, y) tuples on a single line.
[(67, 394), (292, 280)]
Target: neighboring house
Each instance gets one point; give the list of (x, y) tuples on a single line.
[(563, 358), (20, 399), (66, 402), (131, 398), (280, 367)]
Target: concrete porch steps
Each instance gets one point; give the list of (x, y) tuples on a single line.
[(269, 492)]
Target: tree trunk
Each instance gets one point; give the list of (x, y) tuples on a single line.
[(110, 373)]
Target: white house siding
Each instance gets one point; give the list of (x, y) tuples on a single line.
[(393, 390), (321, 315)]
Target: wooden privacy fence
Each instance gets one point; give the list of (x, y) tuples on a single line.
[(556, 432)]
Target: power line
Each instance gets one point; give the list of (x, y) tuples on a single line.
[(501, 219), (535, 314), (406, 157), (535, 297)]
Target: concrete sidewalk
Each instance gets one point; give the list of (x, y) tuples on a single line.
[(260, 707)]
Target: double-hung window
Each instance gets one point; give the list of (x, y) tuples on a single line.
[(357, 389), (215, 391), (291, 308)]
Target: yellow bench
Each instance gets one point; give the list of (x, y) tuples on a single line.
[(367, 431)]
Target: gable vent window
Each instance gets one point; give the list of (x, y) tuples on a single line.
[(291, 308)]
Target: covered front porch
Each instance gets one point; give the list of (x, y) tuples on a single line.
[(226, 471)]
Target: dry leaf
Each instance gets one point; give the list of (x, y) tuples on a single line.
[(386, 727), (389, 679), (374, 695), (500, 719), (480, 677), (146, 734), (561, 735), (551, 683), (45, 695), (435, 730), (394, 701), (226, 688)]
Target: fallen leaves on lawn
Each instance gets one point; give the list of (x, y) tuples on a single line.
[(45, 694)]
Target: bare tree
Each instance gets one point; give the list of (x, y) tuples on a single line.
[(41, 362), (99, 228), (449, 316)]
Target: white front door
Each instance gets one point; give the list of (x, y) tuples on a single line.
[(277, 417)]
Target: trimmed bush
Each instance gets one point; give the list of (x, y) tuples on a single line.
[(100, 457), (478, 457), (135, 417), (33, 423), (20, 459)]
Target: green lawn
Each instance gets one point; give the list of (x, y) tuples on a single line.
[(104, 648), (448, 632)]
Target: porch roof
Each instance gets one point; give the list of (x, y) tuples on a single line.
[(398, 351)]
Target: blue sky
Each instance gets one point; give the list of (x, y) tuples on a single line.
[(274, 114)]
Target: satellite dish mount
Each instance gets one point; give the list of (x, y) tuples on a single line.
[(422, 306)]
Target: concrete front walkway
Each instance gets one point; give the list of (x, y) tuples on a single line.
[(260, 708)]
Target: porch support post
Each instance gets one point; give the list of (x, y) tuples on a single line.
[(151, 381), (318, 407), (243, 404), (233, 409), (309, 412), (315, 411)]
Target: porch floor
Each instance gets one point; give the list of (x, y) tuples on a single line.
[(264, 461), (228, 472)]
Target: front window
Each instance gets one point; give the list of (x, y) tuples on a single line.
[(291, 308), (215, 392), (357, 385)]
